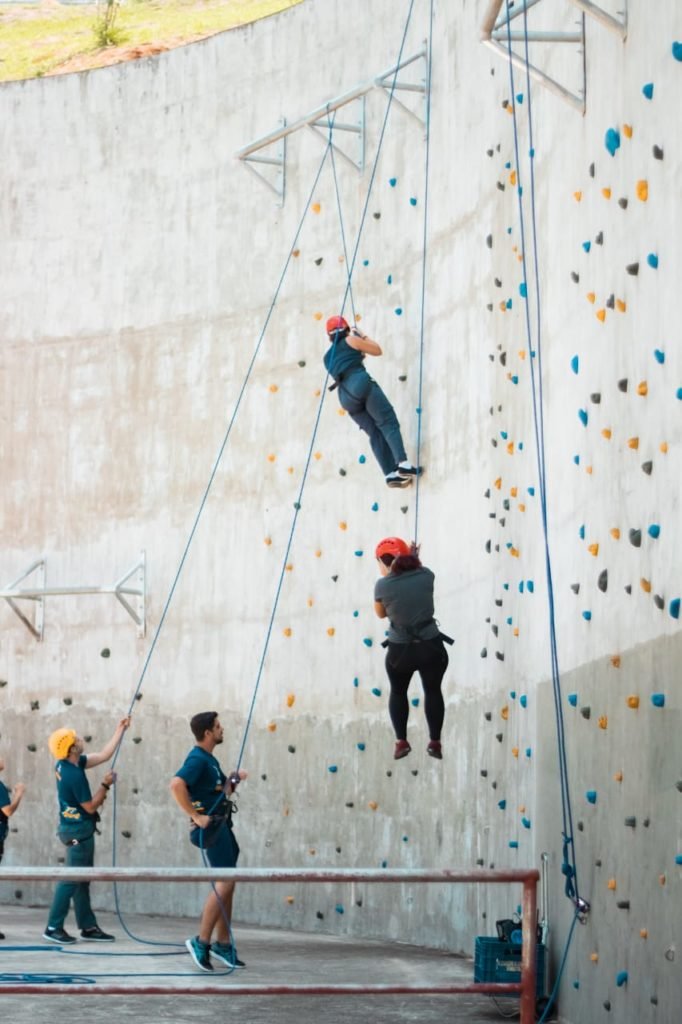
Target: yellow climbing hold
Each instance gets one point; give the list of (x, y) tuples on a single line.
[(273, 388), (627, 131), (606, 433), (615, 660), (316, 207), (603, 722), (601, 315), (504, 712), (498, 483), (267, 541), (642, 190), (621, 305), (633, 443), (590, 297), (271, 457), (331, 631), (287, 630), (272, 726), (633, 701), (577, 196), (611, 884), (343, 525), (372, 805), (512, 177), (615, 533), (515, 751), (317, 316), (290, 700), (593, 549), (642, 388), (510, 448), (606, 192), (289, 567), (645, 585)]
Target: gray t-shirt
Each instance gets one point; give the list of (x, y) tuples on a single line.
[(408, 600)]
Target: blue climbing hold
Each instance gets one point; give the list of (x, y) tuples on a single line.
[(365, 263), (339, 908), (621, 978), (531, 491), (530, 585), (393, 182), (576, 459), (502, 804), (573, 700), (398, 311), (523, 700), (515, 378), (582, 416), (508, 165), (361, 746), (528, 751), (519, 97), (575, 364), (413, 201), (520, 446), (362, 459), (356, 682), (677, 50), (504, 435), (531, 152), (358, 553), (587, 615), (581, 532), (654, 531), (525, 822), (678, 858), (520, 586), (415, 702), (367, 641), (648, 90), (587, 246), (389, 279), (658, 700), (513, 845), (678, 393), (512, 694), (612, 140), (508, 303), (591, 796), (659, 356), (332, 768), (376, 691), (674, 608), (523, 291), (505, 586), (652, 260), (355, 614), (375, 506)]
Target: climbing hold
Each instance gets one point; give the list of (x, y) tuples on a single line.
[(652, 260), (630, 822), (587, 615), (633, 442), (623, 203), (291, 748), (372, 805), (677, 50), (272, 726), (648, 90), (332, 768), (601, 315), (291, 699), (594, 957), (577, 196), (603, 580), (658, 152), (659, 355), (623, 904), (316, 207), (575, 587), (643, 933), (582, 416), (635, 538), (658, 700), (674, 608), (654, 531), (586, 712), (615, 533), (642, 389), (623, 384), (287, 631), (611, 884), (360, 746), (413, 201), (632, 701), (591, 297), (513, 844), (515, 752), (647, 467), (573, 699), (398, 311), (632, 269), (591, 796), (367, 641), (593, 549), (376, 691), (575, 364), (603, 722), (612, 141), (271, 457), (358, 553), (621, 305), (393, 182), (587, 246), (575, 276), (618, 777), (525, 822), (642, 190), (523, 700), (606, 433)]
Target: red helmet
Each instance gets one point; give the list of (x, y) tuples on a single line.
[(336, 323), (392, 546)]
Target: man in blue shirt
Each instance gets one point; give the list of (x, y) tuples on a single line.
[(8, 805), (78, 816), (202, 790)]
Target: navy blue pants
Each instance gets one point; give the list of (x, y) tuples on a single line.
[(368, 406)]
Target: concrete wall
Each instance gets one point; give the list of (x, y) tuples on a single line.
[(139, 261)]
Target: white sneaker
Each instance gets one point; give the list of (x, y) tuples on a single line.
[(406, 468), (396, 479)]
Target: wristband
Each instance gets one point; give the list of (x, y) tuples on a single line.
[(104, 786)]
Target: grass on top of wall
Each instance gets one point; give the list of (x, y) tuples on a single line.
[(51, 38)]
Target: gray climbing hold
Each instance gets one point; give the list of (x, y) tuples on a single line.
[(291, 748), (500, 185), (137, 739), (35, 705), (631, 822), (318, 261), (586, 711), (376, 216), (590, 170), (301, 363), (595, 397), (126, 834), (647, 467), (623, 203), (488, 715), (484, 652), (623, 384), (105, 653), (68, 701), (628, 588), (658, 153), (342, 472), (499, 736), (623, 904), (32, 748), (603, 580), (575, 587), (659, 601), (611, 301), (489, 241), (484, 773), (599, 238), (635, 537), (575, 276), (633, 269), (498, 282)]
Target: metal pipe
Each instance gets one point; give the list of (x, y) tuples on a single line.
[(528, 952), (575, 101), (501, 34), (501, 988), (613, 24)]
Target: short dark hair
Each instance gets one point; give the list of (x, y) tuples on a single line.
[(202, 723)]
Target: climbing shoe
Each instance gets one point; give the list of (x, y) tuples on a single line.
[(200, 953), (395, 479), (58, 935), (407, 469), (96, 934), (227, 954), (402, 749), (434, 749)]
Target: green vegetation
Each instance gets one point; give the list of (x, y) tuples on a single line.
[(50, 38)]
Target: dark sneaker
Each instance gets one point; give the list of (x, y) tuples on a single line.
[(58, 935), (402, 749), (200, 953), (434, 749), (2, 935), (407, 469), (396, 479), (96, 935), (227, 954)]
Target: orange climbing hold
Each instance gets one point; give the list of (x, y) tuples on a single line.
[(272, 726), (515, 631), (593, 549), (515, 751), (372, 805), (290, 900), (318, 553), (627, 131), (498, 483), (633, 701), (510, 448), (521, 507), (615, 533), (504, 712), (522, 353), (642, 190), (317, 316), (514, 552), (645, 585), (594, 957), (343, 525), (273, 388), (513, 491), (331, 631), (310, 602), (603, 722), (577, 196), (663, 447), (267, 541), (606, 192), (588, 470), (643, 933), (611, 884), (316, 207), (633, 443), (290, 700), (318, 455), (296, 253), (601, 315), (618, 777), (341, 412), (590, 297), (615, 660), (271, 457), (289, 567), (606, 433), (643, 388), (287, 630), (621, 305), (290, 469)]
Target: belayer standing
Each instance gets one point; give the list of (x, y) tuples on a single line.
[(364, 400), (404, 595), (8, 805)]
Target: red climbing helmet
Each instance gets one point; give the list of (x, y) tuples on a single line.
[(392, 546), (336, 323)]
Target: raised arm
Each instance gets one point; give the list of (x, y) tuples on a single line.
[(17, 793), (361, 343), (107, 752)]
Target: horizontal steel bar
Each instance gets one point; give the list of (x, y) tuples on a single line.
[(503, 988), (338, 127), (265, 160), (29, 594), (161, 874), (501, 34), (550, 83), (606, 19)]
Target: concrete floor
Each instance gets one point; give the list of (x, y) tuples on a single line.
[(271, 957)]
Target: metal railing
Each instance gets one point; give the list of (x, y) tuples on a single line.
[(526, 988)]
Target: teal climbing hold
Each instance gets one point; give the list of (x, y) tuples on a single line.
[(415, 702), (525, 822), (581, 532), (523, 291), (365, 263), (515, 378), (531, 152), (678, 858), (621, 978), (367, 641), (513, 845), (509, 231), (355, 614), (531, 586), (332, 768), (582, 416), (413, 201), (358, 553), (405, 839), (508, 303), (393, 182), (531, 491), (575, 364), (375, 506), (523, 700), (507, 165), (654, 531), (520, 446), (356, 682), (587, 246), (376, 691), (362, 459), (674, 608), (658, 700), (398, 311), (652, 260), (587, 615), (576, 983), (591, 796), (659, 356), (339, 908), (512, 694), (677, 50), (519, 97), (573, 699), (505, 586), (648, 90), (528, 752), (612, 140), (361, 746), (502, 804), (678, 393), (389, 279), (504, 435), (520, 586)]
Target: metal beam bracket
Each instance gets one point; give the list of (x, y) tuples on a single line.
[(130, 590)]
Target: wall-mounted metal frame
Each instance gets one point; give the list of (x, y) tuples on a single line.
[(130, 590), (318, 120)]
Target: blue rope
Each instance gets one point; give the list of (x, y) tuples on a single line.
[(330, 123), (569, 868), (555, 989), (420, 404)]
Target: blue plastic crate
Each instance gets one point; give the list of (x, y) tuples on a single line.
[(495, 960)]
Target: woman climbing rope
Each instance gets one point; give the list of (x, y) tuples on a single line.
[(404, 595), (362, 397)]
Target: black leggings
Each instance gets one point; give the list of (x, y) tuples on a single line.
[(430, 659)]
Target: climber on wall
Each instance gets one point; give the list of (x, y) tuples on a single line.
[(404, 595), (362, 397)]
